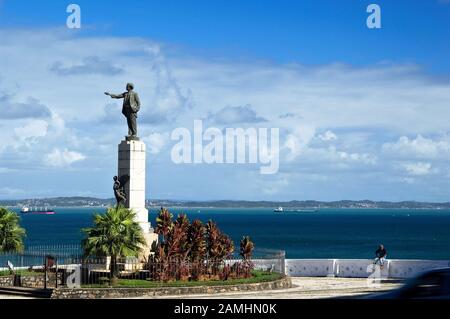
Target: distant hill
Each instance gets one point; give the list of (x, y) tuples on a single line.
[(79, 201)]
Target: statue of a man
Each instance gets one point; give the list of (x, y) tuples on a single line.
[(131, 105)]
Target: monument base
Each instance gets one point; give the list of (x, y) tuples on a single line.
[(131, 165), (151, 240)]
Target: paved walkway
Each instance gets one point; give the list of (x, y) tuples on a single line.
[(303, 288), (306, 288)]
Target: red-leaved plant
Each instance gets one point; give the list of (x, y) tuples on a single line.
[(193, 251)]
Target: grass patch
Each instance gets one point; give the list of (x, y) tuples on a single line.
[(22, 272), (257, 276)]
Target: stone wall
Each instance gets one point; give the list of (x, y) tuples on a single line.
[(30, 281), (359, 268), (7, 281), (37, 281), (100, 293)]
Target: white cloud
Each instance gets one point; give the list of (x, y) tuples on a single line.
[(31, 108), (339, 101), (420, 147), (271, 187), (89, 65), (169, 98), (328, 136), (155, 142), (33, 129), (297, 140), (233, 115), (64, 158), (418, 169), (299, 146), (333, 155)]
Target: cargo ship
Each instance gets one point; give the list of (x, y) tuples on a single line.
[(37, 210)]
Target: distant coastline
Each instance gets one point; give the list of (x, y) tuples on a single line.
[(77, 201)]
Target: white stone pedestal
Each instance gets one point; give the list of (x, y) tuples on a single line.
[(132, 163)]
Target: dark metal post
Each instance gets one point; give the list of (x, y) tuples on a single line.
[(56, 272), (45, 272)]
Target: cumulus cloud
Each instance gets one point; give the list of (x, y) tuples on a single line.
[(170, 99), (332, 155), (302, 148), (328, 136), (287, 115), (418, 169), (31, 108), (89, 65), (419, 147), (31, 130), (155, 142), (63, 158), (231, 115), (297, 140), (344, 122), (271, 187)]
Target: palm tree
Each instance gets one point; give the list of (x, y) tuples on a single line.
[(114, 234), (11, 234)]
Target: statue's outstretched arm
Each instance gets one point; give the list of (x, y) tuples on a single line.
[(116, 96)]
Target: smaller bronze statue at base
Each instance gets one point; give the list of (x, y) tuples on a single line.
[(119, 192)]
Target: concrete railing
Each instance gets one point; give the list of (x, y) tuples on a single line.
[(359, 268)]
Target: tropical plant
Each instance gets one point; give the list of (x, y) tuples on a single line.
[(115, 234), (246, 248), (197, 232), (246, 251), (219, 245), (11, 234), (194, 250), (164, 223)]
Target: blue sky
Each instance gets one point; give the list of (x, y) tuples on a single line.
[(314, 32), (367, 108)]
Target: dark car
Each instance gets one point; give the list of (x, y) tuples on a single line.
[(433, 284)]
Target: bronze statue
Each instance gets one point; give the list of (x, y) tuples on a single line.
[(130, 107), (119, 190)]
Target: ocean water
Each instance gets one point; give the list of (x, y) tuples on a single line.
[(330, 233)]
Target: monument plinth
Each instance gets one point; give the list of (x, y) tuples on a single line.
[(131, 168)]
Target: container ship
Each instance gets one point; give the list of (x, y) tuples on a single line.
[(37, 211)]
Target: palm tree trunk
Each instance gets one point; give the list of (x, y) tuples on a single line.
[(114, 271)]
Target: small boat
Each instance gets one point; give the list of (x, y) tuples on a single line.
[(278, 210), (37, 211)]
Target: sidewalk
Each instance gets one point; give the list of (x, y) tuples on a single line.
[(307, 288), (303, 288)]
